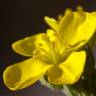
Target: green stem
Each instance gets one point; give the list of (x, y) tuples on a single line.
[(67, 91)]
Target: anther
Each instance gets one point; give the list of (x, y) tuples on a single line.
[(45, 37), (60, 16), (68, 11), (53, 44), (79, 8), (40, 44), (36, 52)]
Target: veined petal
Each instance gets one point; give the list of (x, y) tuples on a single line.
[(23, 74), (86, 30), (68, 27), (69, 71), (65, 21), (51, 22), (27, 45)]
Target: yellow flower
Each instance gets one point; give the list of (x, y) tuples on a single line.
[(55, 53)]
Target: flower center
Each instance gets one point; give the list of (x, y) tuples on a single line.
[(47, 52)]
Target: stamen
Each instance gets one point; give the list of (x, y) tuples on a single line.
[(68, 11), (60, 16), (40, 44), (49, 43), (79, 8), (77, 44), (52, 53), (45, 37), (53, 44), (36, 52), (71, 48)]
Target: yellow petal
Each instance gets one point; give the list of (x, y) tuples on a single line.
[(23, 74), (27, 45), (69, 71), (51, 22), (65, 21), (68, 27), (86, 30)]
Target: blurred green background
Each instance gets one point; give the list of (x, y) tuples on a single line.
[(21, 18)]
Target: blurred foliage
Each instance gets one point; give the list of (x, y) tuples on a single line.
[(92, 42)]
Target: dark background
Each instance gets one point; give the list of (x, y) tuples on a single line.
[(21, 18)]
